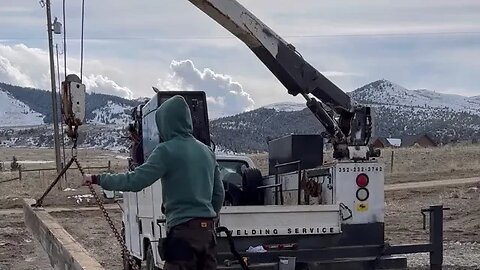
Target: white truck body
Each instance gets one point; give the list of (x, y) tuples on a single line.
[(337, 205)]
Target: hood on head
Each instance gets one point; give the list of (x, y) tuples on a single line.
[(174, 119)]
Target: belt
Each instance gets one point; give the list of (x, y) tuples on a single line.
[(207, 223)]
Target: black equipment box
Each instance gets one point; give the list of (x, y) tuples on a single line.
[(305, 149), (197, 102)]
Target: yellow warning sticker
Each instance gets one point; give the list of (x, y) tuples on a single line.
[(362, 207)]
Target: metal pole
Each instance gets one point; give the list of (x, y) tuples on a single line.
[(61, 110), (54, 88), (391, 161), (436, 237)]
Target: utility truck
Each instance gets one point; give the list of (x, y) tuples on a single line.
[(306, 213)]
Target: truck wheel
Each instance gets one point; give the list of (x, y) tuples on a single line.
[(150, 259), (252, 179)]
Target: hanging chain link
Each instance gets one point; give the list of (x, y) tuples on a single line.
[(125, 253), (73, 134)]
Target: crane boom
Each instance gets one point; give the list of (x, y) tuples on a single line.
[(346, 124), (298, 76)]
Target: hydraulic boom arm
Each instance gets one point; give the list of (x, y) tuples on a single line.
[(348, 126)]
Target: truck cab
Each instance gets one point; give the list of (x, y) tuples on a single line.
[(143, 223)]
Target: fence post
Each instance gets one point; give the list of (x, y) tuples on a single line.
[(391, 161), (60, 186), (109, 166), (20, 173)]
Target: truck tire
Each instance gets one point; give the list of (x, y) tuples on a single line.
[(252, 179), (233, 194), (150, 259)]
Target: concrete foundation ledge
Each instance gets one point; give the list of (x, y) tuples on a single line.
[(64, 252)]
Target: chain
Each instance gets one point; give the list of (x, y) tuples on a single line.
[(73, 134), (125, 252)]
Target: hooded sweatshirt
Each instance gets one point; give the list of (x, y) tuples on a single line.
[(191, 185)]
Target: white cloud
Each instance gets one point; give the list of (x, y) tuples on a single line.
[(29, 67), (224, 95), (24, 66), (102, 84), (11, 74), (380, 39)]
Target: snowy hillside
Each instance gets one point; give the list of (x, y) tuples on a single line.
[(112, 113), (384, 92), (286, 106), (105, 137), (34, 106), (16, 113), (397, 112)]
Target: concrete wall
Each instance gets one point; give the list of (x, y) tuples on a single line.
[(64, 252)]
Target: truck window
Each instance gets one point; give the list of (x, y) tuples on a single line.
[(231, 171), (233, 165)]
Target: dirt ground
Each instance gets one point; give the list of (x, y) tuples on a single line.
[(19, 251), (403, 225)]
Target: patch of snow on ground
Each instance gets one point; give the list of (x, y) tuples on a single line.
[(80, 198), (35, 161)]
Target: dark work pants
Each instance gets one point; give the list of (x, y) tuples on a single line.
[(191, 246)]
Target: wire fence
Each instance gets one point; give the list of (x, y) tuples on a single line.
[(20, 171)]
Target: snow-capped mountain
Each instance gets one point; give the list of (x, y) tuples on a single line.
[(397, 112), (386, 93), (16, 113)]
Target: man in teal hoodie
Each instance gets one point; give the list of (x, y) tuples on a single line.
[(191, 187)]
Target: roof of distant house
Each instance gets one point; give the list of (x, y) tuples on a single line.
[(395, 141)]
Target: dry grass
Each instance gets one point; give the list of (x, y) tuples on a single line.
[(418, 164), (33, 184), (412, 164)]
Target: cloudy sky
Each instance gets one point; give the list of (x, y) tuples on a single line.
[(133, 45)]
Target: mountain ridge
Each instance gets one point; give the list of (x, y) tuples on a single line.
[(397, 112)]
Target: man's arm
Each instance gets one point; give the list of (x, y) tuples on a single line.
[(218, 191), (143, 176)]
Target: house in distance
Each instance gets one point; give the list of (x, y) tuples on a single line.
[(423, 140)]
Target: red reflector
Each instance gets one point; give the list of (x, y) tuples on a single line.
[(362, 180)]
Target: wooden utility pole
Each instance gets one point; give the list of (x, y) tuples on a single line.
[(54, 88)]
